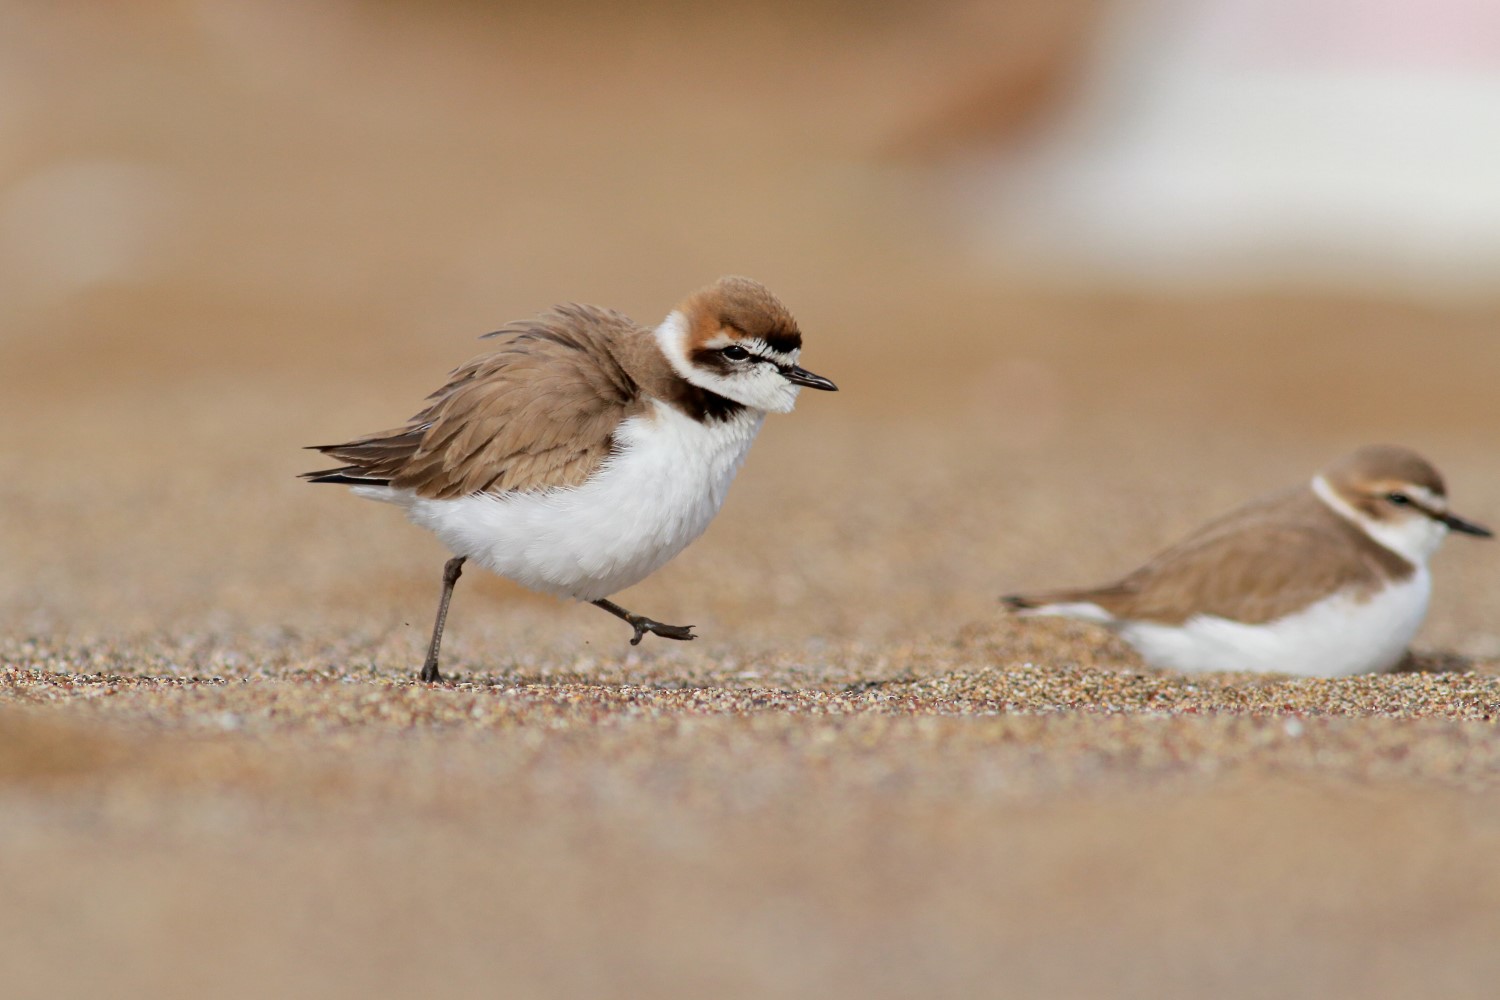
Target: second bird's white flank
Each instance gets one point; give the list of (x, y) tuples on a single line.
[(1339, 635)]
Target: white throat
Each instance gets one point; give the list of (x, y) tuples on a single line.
[(1414, 539)]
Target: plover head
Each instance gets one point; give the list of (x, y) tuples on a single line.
[(736, 339), (1397, 497)]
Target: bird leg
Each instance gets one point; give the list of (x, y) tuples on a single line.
[(452, 570), (642, 624)]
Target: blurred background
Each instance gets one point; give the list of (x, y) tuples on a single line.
[(1087, 274)]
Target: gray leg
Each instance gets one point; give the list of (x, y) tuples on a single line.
[(452, 570), (642, 624)]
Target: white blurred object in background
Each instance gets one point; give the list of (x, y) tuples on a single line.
[(1243, 143)]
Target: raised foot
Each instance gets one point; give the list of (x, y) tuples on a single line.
[(642, 625)]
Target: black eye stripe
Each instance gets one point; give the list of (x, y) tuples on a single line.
[(737, 352), (1400, 499)]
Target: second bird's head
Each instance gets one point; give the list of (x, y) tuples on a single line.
[(1397, 497)]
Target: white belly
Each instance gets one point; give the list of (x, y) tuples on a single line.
[(658, 492), (1336, 637)]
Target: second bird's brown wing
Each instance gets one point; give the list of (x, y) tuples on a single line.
[(538, 412), (1259, 563)]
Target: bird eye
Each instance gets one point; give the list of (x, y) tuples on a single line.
[(735, 352), (1399, 499)]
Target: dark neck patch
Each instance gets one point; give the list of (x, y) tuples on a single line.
[(701, 404)]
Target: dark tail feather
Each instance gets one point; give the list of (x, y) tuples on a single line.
[(1020, 602), (1030, 602), (349, 476), (1076, 603)]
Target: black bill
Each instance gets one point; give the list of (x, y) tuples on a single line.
[(801, 376), (1457, 523)]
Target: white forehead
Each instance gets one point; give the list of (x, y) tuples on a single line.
[(1425, 497)]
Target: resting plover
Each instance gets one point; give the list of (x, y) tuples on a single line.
[(586, 450), (1324, 580)]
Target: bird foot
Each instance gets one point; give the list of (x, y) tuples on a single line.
[(642, 625)]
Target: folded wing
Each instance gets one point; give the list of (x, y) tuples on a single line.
[(539, 412)]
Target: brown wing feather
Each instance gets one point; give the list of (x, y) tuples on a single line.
[(1260, 563), (538, 412)]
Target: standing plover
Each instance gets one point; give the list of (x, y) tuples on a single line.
[(1324, 580), (586, 450)]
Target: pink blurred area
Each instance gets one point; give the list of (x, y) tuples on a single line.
[(1317, 145)]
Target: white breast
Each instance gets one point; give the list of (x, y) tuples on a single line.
[(657, 493), (1335, 637)]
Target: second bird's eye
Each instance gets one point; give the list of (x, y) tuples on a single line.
[(734, 352), (1399, 499)]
